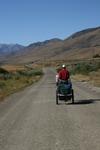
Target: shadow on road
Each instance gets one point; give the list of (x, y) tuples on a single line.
[(84, 102), (79, 102)]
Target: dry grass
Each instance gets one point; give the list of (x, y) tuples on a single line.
[(13, 85), (93, 78), (13, 68), (80, 77), (17, 82)]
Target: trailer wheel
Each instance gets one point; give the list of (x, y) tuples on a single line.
[(72, 96), (57, 97)]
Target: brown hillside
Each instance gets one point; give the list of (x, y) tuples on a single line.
[(82, 45), (37, 52)]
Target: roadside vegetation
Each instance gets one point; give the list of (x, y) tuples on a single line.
[(11, 82), (87, 71)]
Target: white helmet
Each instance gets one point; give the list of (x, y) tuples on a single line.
[(63, 66)]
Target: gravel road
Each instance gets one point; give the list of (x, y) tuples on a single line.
[(31, 120)]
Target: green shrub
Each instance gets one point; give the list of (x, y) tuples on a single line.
[(2, 84), (37, 72), (4, 74), (8, 76), (17, 76), (30, 73), (85, 68)]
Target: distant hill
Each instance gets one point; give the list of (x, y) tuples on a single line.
[(83, 32), (9, 48), (82, 44), (39, 51)]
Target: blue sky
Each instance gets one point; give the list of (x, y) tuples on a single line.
[(29, 21)]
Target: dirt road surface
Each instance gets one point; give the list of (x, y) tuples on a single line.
[(31, 120)]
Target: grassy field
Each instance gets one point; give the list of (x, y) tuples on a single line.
[(15, 78), (87, 71)]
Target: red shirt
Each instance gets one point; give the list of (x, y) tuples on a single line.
[(64, 74)]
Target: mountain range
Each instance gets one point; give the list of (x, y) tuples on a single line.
[(9, 49), (80, 45)]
